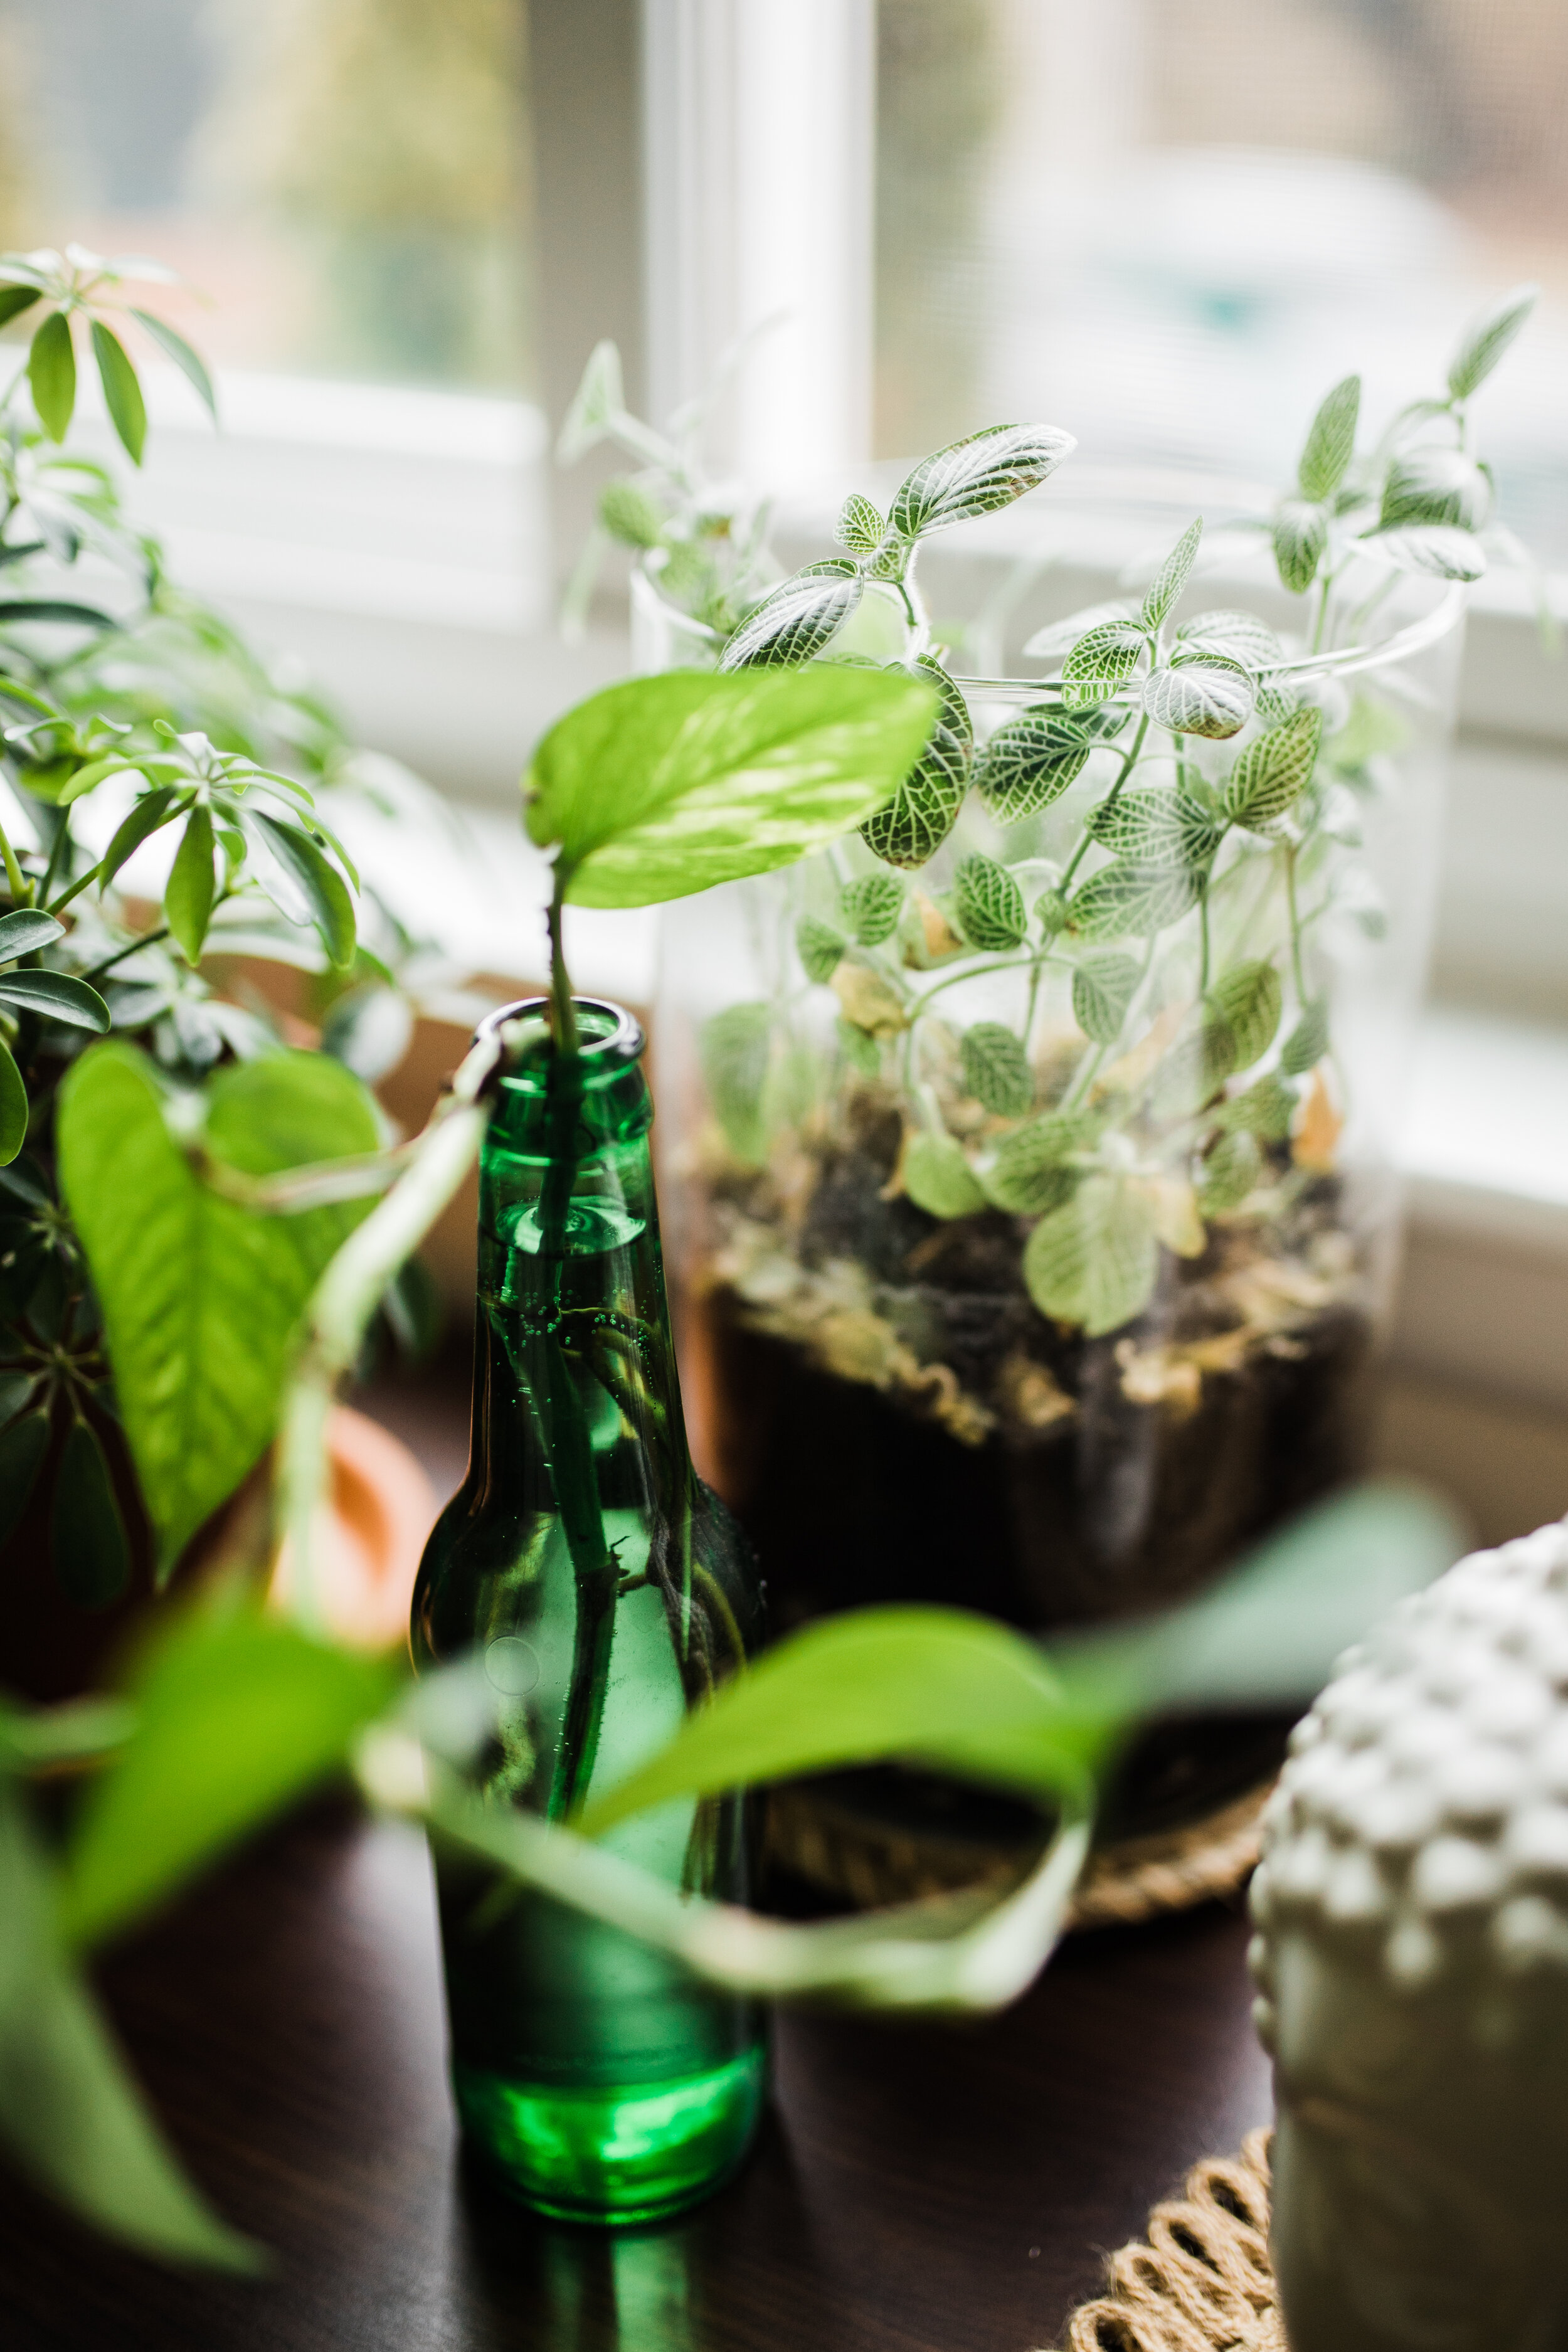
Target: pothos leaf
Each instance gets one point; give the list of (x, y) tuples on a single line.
[(939, 1179), (1331, 442), (1172, 577), (819, 948), (1101, 662), (200, 1294), (1029, 763), (989, 904), (997, 1070), (69, 2114), (1300, 533), (1200, 693), (870, 908), (668, 785), (1128, 900), (1095, 1261), (1103, 986), (797, 619), (976, 475), (1485, 342)]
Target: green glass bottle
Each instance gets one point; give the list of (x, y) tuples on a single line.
[(607, 1590)]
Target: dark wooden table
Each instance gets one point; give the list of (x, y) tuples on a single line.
[(917, 2189)]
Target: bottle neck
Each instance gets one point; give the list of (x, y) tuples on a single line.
[(570, 1270)]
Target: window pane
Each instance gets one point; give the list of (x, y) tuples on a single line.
[(345, 179), (1171, 225)]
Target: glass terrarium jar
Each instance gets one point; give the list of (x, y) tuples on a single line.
[(1034, 1213)]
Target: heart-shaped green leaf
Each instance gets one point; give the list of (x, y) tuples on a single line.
[(668, 785), (200, 1294)]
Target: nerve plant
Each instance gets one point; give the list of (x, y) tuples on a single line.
[(230, 1712), (1084, 951), (163, 817)]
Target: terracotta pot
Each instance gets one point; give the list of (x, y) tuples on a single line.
[(371, 1533)]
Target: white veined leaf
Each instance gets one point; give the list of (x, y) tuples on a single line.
[(1485, 342), (797, 620), (1309, 1041), (819, 948), (1131, 901), (599, 398), (1029, 763), (1103, 986), (870, 908), (859, 526), (989, 904), (1265, 1109), (939, 1179), (1095, 1261), (1157, 827), (1101, 662), (952, 710), (1443, 550), (1200, 694), (913, 825), (1431, 485), (1229, 1172), (735, 1048), (1300, 533), (1172, 577), (1032, 1173), (1233, 636), (996, 1069), (976, 475), (1060, 637), (1241, 1014), (1272, 772), (1331, 442)]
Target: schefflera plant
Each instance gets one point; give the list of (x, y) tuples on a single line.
[(1083, 960)]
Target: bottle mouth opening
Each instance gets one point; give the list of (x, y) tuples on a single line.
[(610, 1039)]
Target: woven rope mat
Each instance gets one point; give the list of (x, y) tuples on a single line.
[(1134, 1880), (1199, 2280)]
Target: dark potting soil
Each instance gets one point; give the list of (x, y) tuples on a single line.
[(855, 1495)]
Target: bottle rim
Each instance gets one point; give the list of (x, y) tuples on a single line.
[(619, 1047)]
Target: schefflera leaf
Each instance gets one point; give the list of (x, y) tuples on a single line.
[(668, 785), (200, 1294)]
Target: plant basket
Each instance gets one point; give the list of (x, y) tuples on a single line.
[(1032, 1242)]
